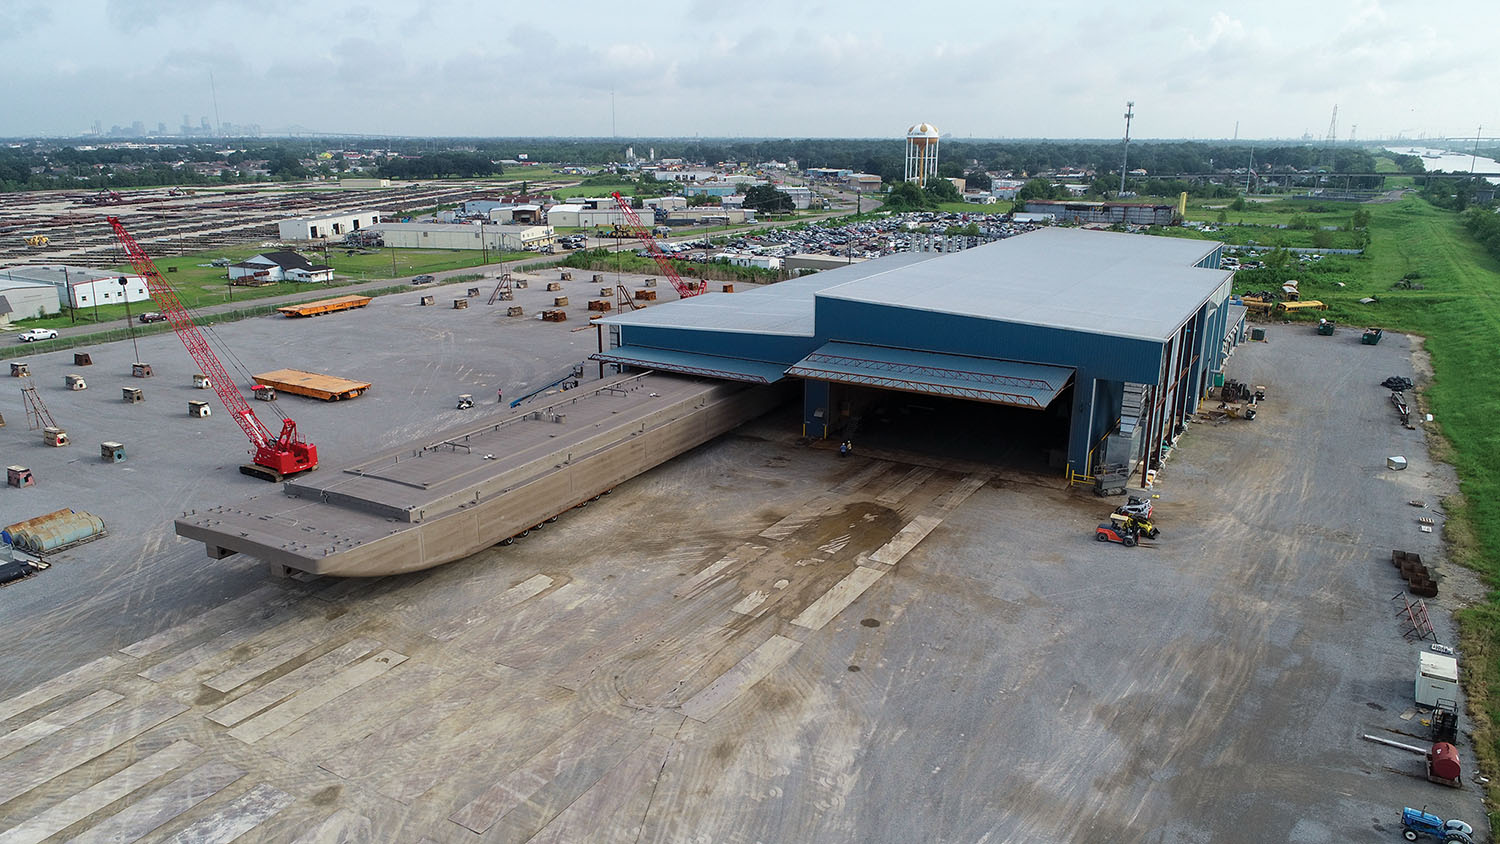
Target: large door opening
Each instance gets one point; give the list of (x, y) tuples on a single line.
[(940, 426)]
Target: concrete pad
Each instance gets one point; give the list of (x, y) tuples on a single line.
[(21, 772), (311, 698), (227, 612), (730, 685), (243, 814), (341, 827), (288, 684), (838, 598), (101, 794), (57, 720), (44, 692), (139, 819), (528, 588), (901, 544)]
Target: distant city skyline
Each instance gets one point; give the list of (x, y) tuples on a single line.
[(1262, 69)]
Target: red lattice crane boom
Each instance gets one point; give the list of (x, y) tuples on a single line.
[(275, 456), (684, 288)]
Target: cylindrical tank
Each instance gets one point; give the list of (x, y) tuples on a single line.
[(1442, 761), (10, 530), (63, 531)]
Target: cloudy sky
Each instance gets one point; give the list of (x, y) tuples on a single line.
[(770, 68)]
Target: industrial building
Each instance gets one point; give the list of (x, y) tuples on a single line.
[(500, 238), (79, 287), (709, 215), (574, 215), (1098, 345), (522, 214), (801, 197), (330, 226), (26, 300), (1132, 213)]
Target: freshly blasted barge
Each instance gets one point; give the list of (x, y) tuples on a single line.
[(444, 498)]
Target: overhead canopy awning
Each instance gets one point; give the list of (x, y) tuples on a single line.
[(981, 379), (691, 363)]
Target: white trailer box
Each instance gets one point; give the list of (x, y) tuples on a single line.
[(1437, 678)]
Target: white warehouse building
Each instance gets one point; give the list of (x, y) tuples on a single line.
[(464, 236), (574, 215), (82, 287), (25, 299), (331, 226)]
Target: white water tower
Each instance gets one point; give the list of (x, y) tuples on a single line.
[(921, 153)]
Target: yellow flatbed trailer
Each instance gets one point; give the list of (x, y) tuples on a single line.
[(313, 385), (325, 306)]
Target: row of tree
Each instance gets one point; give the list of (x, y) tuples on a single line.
[(1484, 225)]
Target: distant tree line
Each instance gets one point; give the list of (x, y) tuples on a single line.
[(68, 166), (462, 165), (1484, 225)]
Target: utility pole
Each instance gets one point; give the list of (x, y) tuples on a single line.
[(125, 291), (1474, 156), (1125, 158)]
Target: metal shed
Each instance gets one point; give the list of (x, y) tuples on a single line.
[(1116, 333)]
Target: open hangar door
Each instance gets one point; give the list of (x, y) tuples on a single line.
[(1005, 413)]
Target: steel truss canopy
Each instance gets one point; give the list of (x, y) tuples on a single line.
[(1012, 383), (690, 363)]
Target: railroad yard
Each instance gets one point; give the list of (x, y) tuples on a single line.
[(750, 643), (176, 221)]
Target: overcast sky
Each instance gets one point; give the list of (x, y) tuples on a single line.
[(763, 69)]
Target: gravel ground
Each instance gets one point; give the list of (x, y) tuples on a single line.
[(742, 645)]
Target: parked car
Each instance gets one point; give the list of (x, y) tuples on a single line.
[(34, 334), (152, 316), (423, 279)]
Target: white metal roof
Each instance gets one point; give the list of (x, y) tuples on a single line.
[(1126, 285), (782, 308)]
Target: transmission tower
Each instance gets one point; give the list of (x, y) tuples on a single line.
[(1125, 158)]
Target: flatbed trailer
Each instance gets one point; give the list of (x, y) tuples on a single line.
[(325, 306), (312, 384)]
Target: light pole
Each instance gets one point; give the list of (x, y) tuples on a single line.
[(125, 292)]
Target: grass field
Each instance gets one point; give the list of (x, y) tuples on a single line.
[(970, 208), (594, 190), (1458, 312)]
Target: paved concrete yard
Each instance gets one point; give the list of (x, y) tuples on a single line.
[(757, 642)]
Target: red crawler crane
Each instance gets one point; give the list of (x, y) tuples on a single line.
[(684, 288), (275, 457)]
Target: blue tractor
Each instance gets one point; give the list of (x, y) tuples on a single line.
[(1418, 822)]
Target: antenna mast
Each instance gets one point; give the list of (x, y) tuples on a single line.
[(1125, 159)]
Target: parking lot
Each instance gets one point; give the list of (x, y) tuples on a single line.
[(743, 645)]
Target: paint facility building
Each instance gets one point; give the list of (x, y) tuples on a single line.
[(1092, 348), (331, 226)]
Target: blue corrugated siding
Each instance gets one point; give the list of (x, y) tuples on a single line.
[(1101, 356), (774, 348)]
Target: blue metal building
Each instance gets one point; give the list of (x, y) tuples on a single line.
[(1118, 334)]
